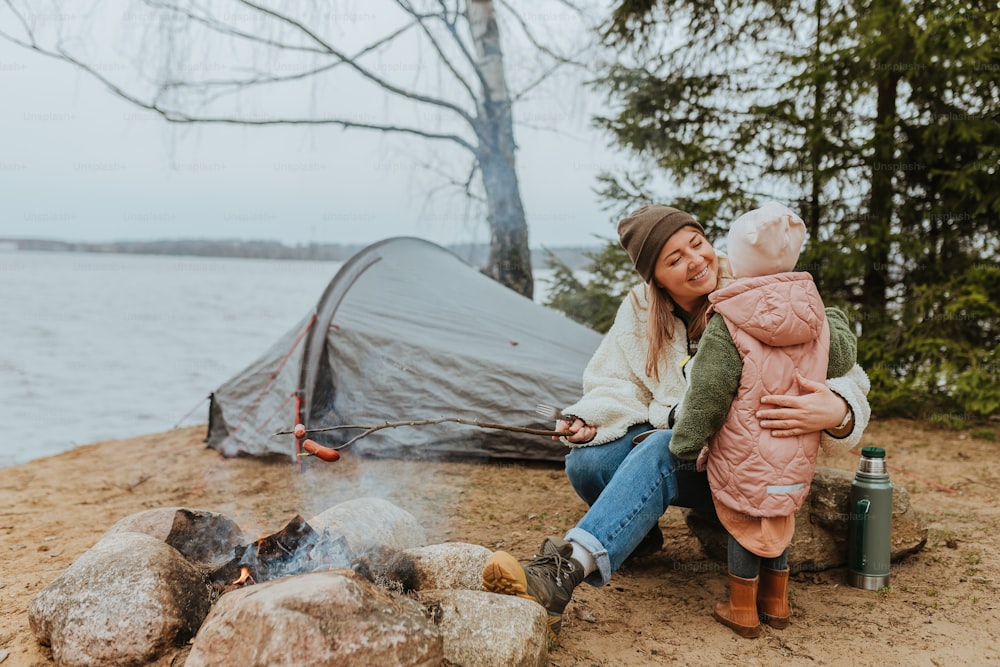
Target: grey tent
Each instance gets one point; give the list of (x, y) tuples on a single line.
[(408, 331)]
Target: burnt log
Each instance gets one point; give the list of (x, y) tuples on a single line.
[(295, 549)]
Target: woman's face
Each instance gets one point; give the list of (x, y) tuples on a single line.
[(687, 268)]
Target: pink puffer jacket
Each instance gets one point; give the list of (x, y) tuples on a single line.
[(779, 327)]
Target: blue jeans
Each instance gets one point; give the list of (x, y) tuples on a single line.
[(628, 487)]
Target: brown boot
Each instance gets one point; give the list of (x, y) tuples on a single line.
[(739, 612), (772, 598), (548, 578)]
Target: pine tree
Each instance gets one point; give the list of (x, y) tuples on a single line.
[(878, 121)]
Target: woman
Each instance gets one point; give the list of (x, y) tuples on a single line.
[(620, 462)]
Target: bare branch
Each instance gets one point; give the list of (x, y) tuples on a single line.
[(226, 29), (363, 71), (572, 7), (24, 24), (444, 12), (469, 196), (520, 95), (237, 84), (559, 58), (405, 6), (469, 179), (451, 182), (175, 116), (340, 122)]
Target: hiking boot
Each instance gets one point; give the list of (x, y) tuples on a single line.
[(548, 578)]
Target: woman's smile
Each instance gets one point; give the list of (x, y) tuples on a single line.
[(701, 274)]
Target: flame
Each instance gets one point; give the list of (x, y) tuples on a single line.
[(244, 576)]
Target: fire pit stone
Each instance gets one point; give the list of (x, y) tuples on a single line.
[(126, 601), (320, 618), (296, 596), (450, 565), (370, 524), (483, 629)]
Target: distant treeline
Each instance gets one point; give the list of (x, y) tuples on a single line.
[(473, 253)]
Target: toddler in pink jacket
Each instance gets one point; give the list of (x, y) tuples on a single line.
[(766, 327)]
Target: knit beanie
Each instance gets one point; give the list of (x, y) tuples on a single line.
[(645, 231), (764, 241)]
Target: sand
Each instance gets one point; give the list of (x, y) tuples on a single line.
[(943, 607)]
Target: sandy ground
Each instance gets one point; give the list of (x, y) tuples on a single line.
[(943, 607)]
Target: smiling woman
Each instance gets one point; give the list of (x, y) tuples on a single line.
[(619, 431)]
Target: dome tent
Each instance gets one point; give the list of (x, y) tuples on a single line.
[(406, 330)]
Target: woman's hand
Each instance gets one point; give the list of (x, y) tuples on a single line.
[(578, 432), (818, 408)]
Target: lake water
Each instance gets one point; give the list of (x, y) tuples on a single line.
[(97, 347)]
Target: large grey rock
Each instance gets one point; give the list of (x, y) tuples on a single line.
[(200, 535), (371, 525), (318, 619), (451, 565), (126, 601), (488, 630), (821, 525)]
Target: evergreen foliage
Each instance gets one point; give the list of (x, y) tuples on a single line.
[(879, 121), (593, 300)]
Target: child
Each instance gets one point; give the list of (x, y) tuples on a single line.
[(766, 327)]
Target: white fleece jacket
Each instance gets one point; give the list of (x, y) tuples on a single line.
[(617, 393)]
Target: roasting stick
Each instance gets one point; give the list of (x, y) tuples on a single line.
[(331, 453)]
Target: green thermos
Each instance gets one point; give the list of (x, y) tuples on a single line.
[(870, 522)]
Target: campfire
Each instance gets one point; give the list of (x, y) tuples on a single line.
[(295, 549), (189, 587), (244, 576)]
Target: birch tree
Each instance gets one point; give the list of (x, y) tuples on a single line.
[(449, 83)]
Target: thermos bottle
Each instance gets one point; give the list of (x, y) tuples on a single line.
[(870, 522)]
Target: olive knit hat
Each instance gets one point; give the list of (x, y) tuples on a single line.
[(645, 231), (764, 241)]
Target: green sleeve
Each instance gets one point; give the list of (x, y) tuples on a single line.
[(715, 375), (843, 344)]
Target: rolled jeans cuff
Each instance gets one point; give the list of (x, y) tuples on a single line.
[(602, 574)]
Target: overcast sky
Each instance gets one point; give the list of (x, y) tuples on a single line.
[(80, 164)]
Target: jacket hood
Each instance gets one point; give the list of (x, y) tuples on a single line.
[(779, 310)]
